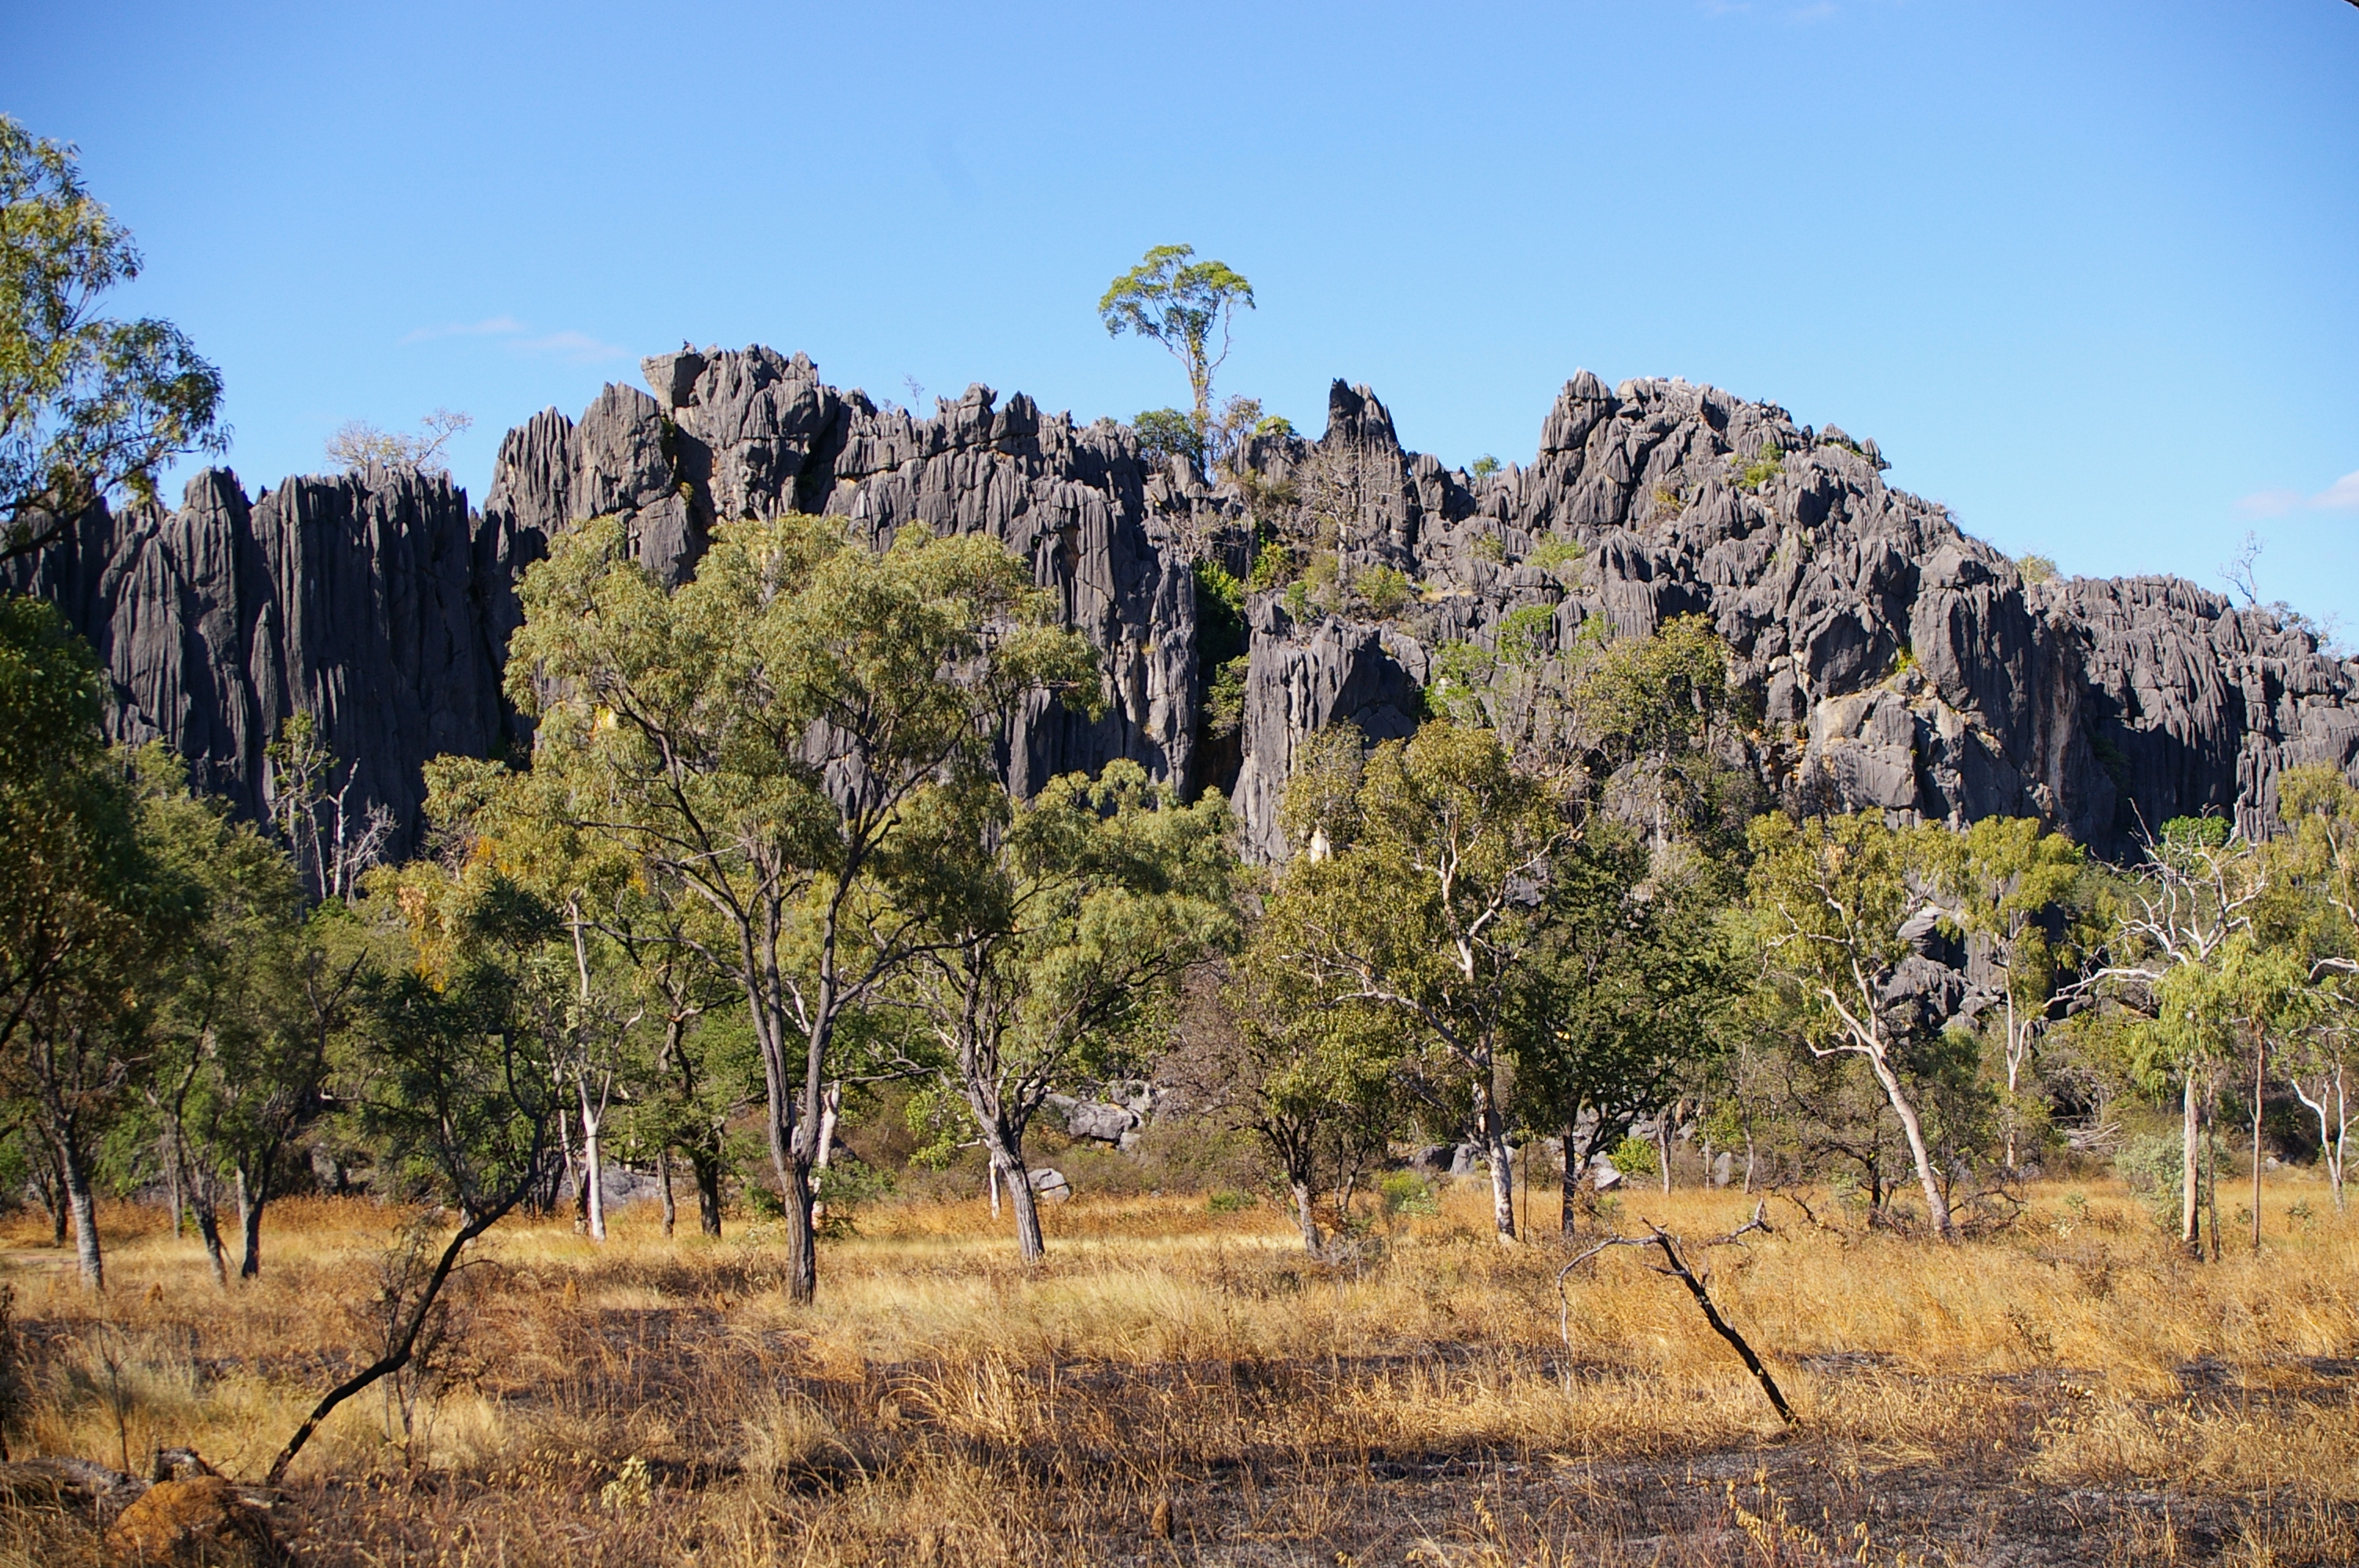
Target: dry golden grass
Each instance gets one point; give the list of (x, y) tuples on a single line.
[(1175, 1385)]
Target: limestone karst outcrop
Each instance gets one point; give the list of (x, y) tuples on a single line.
[(1896, 661)]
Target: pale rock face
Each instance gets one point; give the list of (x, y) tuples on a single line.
[(1898, 663)]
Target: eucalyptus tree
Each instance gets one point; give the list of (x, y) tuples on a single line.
[(314, 816), (1827, 898), (701, 1072), (2016, 891), (250, 1009), (2318, 858), (1272, 1052), (1054, 935), (89, 404), (1631, 979), (1648, 717), (2319, 1067), (1311, 1078), (1179, 302), (756, 738), (510, 839), (89, 914), (445, 1079), (1427, 901), (2187, 916)]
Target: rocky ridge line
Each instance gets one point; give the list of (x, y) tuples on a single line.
[(1897, 662)]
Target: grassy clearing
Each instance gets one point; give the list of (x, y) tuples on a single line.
[(1180, 1385)]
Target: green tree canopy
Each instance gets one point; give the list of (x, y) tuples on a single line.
[(1423, 895), (87, 404), (1828, 897), (2184, 919), (758, 739), (1311, 1076), (250, 1008), (1631, 978), (2018, 891), (87, 913), (1179, 302), (1056, 932)]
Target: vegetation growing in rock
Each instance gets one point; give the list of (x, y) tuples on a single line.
[(1763, 466), (1385, 590), (1558, 555), (1181, 303)]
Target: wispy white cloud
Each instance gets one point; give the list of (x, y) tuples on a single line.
[(2342, 495), (518, 337), (490, 327), (579, 348)]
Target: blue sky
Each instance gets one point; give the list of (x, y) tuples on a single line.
[(2088, 272)]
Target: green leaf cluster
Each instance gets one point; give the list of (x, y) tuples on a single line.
[(1178, 301), (87, 404)]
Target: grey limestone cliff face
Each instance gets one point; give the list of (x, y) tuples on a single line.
[(1304, 676), (1897, 663), (368, 601), (380, 603), (757, 434), (2194, 705)]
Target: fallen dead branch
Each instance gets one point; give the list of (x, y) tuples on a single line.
[(1678, 1269)]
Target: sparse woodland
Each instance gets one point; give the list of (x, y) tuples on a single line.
[(2044, 1156), (1067, 1188)]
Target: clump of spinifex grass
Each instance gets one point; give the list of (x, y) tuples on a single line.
[(1176, 1380)]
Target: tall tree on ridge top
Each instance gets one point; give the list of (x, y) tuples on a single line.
[(88, 405), (757, 738), (1178, 302)]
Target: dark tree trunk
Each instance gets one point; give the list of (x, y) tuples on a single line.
[(802, 1235), (790, 1162), (252, 1197), (209, 1229), (707, 1167), (1009, 1162)]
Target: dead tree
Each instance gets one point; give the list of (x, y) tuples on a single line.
[(1676, 1267)]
